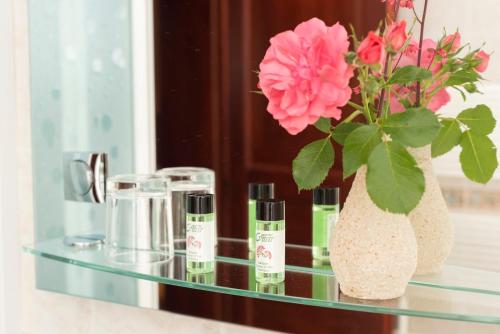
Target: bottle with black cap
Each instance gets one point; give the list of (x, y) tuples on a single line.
[(256, 191), (200, 253), (325, 212), (270, 241)]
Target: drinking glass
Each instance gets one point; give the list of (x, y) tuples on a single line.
[(138, 228), (183, 181)]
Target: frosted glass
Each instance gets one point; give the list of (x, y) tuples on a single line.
[(81, 88)]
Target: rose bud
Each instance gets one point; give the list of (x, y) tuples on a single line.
[(396, 36), (484, 58), (452, 42), (371, 50)]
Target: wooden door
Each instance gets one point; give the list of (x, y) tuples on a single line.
[(206, 52), (206, 55)]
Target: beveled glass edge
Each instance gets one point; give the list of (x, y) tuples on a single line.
[(413, 281), (273, 297)]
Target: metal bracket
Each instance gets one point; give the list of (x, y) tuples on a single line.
[(85, 176)]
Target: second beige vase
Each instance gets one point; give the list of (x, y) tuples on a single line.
[(430, 220)]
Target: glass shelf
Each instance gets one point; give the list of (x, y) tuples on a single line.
[(455, 294), (299, 258)]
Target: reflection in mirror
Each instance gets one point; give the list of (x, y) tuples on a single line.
[(98, 86)]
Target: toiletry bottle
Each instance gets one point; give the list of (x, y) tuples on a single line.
[(251, 272), (325, 212), (271, 288), (256, 191), (323, 286), (200, 252), (270, 241)]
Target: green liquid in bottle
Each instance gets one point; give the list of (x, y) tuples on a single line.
[(324, 220), (251, 272), (201, 278), (270, 251), (251, 224), (324, 287), (200, 252), (271, 288)]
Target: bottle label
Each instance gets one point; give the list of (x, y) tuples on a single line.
[(199, 240), (270, 251)]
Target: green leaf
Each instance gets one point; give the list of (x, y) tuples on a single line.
[(478, 157), (461, 77), (448, 137), (471, 88), (357, 147), (323, 124), (409, 74), (312, 164), (479, 119), (415, 127), (393, 180), (343, 130)]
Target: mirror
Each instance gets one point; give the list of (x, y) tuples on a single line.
[(95, 68)]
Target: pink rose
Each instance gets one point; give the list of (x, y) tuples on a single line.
[(409, 57), (396, 36), (484, 58), (402, 3), (371, 50), (305, 76), (452, 42)]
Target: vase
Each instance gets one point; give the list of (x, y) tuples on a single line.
[(430, 219), (373, 252)]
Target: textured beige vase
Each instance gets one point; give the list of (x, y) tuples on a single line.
[(431, 220), (373, 252)]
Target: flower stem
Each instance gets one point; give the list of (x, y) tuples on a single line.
[(366, 109), (419, 59), (387, 102), (416, 15), (355, 105), (352, 116), (386, 67)]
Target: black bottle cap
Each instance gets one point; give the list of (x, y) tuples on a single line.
[(200, 203), (261, 190), (326, 196), (270, 209)]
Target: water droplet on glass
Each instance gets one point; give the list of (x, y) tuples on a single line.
[(56, 94), (97, 65), (70, 52), (118, 57), (106, 123)]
